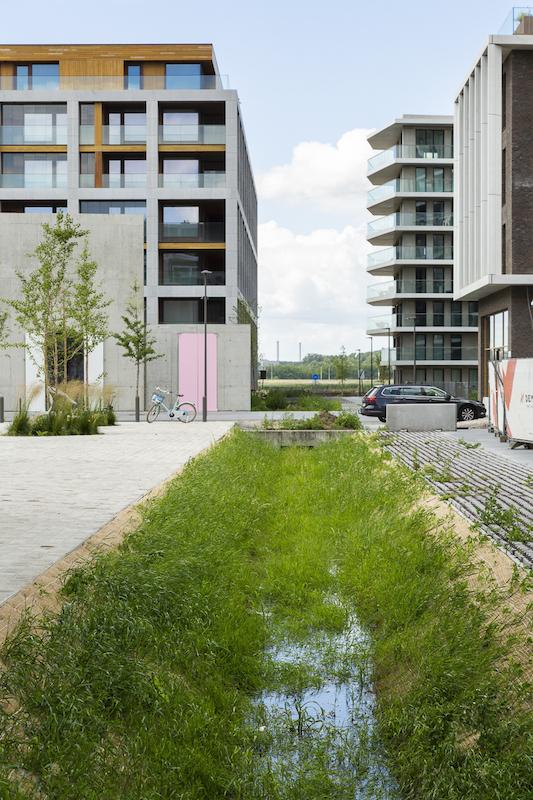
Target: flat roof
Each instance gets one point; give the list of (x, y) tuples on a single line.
[(389, 135)]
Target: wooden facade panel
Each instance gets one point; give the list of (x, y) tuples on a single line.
[(192, 148), (100, 52), (192, 246), (92, 73)]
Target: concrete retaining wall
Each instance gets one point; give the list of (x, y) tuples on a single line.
[(282, 438), (422, 417)]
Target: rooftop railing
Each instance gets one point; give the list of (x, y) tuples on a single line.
[(113, 83), (518, 22)]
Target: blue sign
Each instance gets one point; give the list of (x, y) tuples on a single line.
[(315, 377)]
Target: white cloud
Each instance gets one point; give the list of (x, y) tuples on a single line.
[(312, 286), (321, 173), (312, 290)]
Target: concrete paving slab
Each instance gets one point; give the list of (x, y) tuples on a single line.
[(57, 491)]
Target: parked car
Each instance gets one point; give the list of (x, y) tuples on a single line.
[(374, 403)]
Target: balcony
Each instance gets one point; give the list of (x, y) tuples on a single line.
[(192, 134), (384, 293), (404, 356), (69, 83), (384, 261), (33, 180), (386, 198), (389, 162), (33, 134), (519, 22), (191, 278), (383, 229), (197, 180), (115, 181), (192, 232), (424, 322)]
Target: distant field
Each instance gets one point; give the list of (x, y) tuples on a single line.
[(324, 385)]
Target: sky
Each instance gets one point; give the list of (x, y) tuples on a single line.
[(314, 79)]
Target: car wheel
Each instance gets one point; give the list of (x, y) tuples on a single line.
[(382, 418), (466, 414)]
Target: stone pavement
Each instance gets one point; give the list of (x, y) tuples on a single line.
[(490, 487), (57, 491)]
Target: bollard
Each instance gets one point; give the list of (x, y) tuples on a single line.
[(2, 409), (137, 409)]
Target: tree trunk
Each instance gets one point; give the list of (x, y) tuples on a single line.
[(86, 374)]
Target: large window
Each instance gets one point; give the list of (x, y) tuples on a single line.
[(457, 314), (456, 344), (33, 171), (420, 345), (429, 143), (438, 346), (438, 313), (124, 127), (472, 314), (438, 246), (36, 76), (184, 268), (190, 311), (420, 245), (420, 280), (124, 172), (420, 313), (133, 78), (183, 76), (498, 335), (25, 123), (180, 126)]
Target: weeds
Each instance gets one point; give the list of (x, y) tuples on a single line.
[(151, 682), (320, 422), (494, 515)]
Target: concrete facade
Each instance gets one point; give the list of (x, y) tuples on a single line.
[(420, 417), (117, 247), (434, 338), (198, 163)]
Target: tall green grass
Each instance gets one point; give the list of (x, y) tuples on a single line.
[(145, 685)]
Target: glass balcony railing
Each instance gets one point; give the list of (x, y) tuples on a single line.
[(198, 180), (409, 151), (391, 289), (33, 134), (405, 220), (422, 321), (403, 253), (187, 277), (192, 231), (114, 82), (118, 181), (123, 134), (401, 186), (33, 180), (434, 353), (192, 134), (382, 323), (518, 22)]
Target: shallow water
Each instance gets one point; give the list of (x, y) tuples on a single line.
[(327, 726)]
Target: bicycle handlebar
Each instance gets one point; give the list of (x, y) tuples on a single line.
[(159, 389)]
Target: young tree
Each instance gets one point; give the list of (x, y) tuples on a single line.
[(89, 321), (341, 366), (43, 308), (136, 339)]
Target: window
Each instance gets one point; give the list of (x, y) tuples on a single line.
[(456, 375), (180, 126), (34, 171), (438, 346), (412, 391), (86, 123), (504, 249), (124, 171), (179, 268), (181, 222), (429, 143), (438, 246), (438, 213), (420, 313), (438, 180), (25, 123), (420, 346), (430, 391), (455, 347), (181, 172), (183, 76), (37, 76), (438, 281), (185, 311), (391, 390), (420, 179), (87, 166), (113, 207), (421, 377), (457, 314), (472, 314), (45, 209), (438, 313), (124, 127), (420, 245), (420, 279), (133, 76), (420, 212), (498, 335), (438, 376)]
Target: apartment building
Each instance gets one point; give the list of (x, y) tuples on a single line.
[(494, 203), (147, 130), (433, 336)]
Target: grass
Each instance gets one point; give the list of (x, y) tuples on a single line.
[(61, 422), (293, 399), (147, 683)]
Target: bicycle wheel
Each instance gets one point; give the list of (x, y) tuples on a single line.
[(153, 413), (186, 412)]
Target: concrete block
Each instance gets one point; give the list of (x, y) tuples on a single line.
[(422, 417)]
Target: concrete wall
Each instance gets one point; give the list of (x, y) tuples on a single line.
[(116, 244), (233, 362), (422, 417)]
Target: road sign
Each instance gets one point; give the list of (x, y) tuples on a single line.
[(315, 377)]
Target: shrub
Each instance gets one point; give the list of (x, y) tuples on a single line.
[(20, 425)]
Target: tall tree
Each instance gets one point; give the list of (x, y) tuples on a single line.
[(136, 338), (43, 308), (88, 317)]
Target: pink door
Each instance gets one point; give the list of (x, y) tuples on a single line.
[(191, 369)]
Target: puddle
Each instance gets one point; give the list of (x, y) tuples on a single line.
[(324, 729)]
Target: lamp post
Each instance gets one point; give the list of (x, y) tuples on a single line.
[(414, 350), (359, 370), (205, 273), (371, 361), (388, 348)]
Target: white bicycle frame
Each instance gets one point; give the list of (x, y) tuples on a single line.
[(173, 410)]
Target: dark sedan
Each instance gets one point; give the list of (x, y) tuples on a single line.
[(374, 403)]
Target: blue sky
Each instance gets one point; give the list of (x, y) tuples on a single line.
[(306, 72)]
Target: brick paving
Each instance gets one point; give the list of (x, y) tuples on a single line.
[(475, 475), (57, 491)]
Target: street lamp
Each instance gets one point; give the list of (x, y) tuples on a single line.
[(205, 273), (388, 347), (359, 370), (371, 361)]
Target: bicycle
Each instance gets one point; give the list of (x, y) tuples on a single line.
[(184, 412)]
